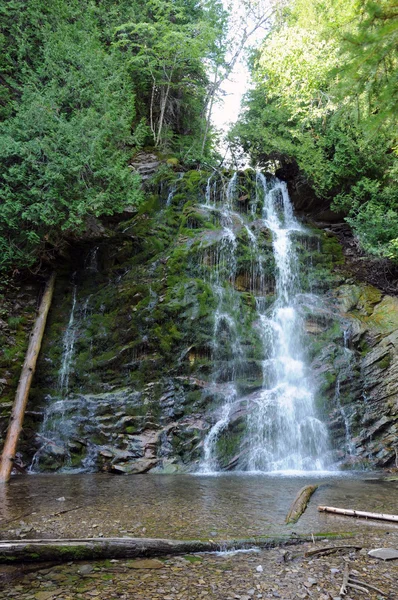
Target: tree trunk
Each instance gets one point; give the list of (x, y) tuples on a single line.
[(300, 503), (358, 513), (64, 550), (22, 394), (210, 109), (163, 103), (152, 125)]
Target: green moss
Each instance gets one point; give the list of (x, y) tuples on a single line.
[(385, 362), (191, 558)]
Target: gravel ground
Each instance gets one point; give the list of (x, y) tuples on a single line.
[(285, 573)]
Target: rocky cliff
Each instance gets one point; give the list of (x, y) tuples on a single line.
[(126, 378)]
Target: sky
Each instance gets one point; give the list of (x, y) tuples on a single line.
[(226, 111)]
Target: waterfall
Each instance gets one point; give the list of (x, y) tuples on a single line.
[(284, 432), (256, 390), (348, 355), (63, 412), (173, 190), (68, 344), (226, 348)]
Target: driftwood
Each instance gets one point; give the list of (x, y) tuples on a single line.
[(60, 550), (356, 584), (22, 393), (343, 589), (300, 503), (330, 550), (358, 513)]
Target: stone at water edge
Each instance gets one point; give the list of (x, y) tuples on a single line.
[(384, 553)]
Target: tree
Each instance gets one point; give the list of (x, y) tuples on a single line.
[(65, 143), (325, 97)]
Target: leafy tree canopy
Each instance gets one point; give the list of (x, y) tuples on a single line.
[(326, 96)]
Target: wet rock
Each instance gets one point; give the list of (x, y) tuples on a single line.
[(85, 569), (134, 467), (384, 553)]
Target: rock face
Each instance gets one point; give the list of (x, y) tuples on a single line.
[(133, 322)]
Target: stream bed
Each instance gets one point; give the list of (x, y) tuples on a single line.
[(186, 506)]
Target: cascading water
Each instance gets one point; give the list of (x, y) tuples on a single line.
[(284, 432), (247, 265), (226, 348), (173, 190), (68, 344), (62, 412), (348, 356)]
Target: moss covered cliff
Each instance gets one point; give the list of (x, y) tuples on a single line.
[(138, 302)]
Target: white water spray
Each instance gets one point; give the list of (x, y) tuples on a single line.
[(284, 432)]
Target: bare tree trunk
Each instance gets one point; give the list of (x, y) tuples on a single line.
[(212, 94), (22, 394), (163, 104), (151, 109)]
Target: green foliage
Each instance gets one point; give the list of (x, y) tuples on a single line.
[(65, 144), (326, 97), (167, 49), (84, 86)]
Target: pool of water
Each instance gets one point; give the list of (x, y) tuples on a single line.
[(187, 506)]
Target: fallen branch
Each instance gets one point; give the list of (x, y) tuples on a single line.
[(66, 510), (357, 587), (352, 580), (358, 513), (300, 503), (343, 589), (60, 550), (330, 550)]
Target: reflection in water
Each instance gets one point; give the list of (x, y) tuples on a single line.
[(185, 506)]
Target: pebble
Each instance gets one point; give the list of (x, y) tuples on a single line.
[(86, 569)]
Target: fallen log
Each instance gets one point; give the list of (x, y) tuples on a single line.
[(61, 550), (22, 393), (300, 503), (358, 513)]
